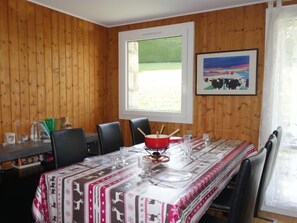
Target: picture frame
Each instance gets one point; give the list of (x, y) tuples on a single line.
[(227, 73)]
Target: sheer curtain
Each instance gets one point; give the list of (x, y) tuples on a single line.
[(279, 105)]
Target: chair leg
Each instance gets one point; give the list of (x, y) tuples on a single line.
[(266, 218)]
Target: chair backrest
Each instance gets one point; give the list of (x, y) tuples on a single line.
[(278, 133), (246, 187), (270, 145), (110, 137), (143, 124), (69, 146)]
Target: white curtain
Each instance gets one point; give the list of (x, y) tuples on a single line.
[(279, 105)]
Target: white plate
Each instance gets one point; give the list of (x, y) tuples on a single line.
[(173, 176)]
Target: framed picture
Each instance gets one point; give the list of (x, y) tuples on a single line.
[(227, 73)]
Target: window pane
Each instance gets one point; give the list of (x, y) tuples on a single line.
[(154, 75)]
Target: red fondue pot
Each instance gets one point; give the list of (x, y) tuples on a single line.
[(155, 141)]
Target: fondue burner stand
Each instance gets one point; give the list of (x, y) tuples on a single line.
[(156, 155)]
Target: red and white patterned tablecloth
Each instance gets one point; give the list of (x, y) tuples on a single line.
[(91, 191)]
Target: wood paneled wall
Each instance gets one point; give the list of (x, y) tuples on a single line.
[(51, 65), (54, 65), (222, 116)]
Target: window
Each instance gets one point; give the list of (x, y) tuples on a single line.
[(156, 73), (279, 105)]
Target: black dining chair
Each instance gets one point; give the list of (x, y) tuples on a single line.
[(223, 201), (143, 124), (245, 192), (272, 151), (69, 146), (110, 137), (275, 144), (278, 133)]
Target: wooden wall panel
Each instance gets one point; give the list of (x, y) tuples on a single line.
[(62, 64), (40, 60), (51, 65), (23, 62), (32, 66), (5, 97), (81, 90), (14, 62), (75, 90), (86, 73), (221, 116), (48, 63), (69, 69), (55, 63)]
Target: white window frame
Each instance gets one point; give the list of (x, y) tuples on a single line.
[(186, 30)]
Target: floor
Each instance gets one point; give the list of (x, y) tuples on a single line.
[(280, 218)]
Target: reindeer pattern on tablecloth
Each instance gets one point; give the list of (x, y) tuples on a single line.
[(117, 205)]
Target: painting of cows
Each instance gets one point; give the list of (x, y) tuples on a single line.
[(227, 74)]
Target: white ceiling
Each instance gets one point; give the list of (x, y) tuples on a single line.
[(110, 13)]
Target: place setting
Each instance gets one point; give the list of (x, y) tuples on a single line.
[(160, 175)]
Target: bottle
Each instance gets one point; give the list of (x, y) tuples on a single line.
[(34, 133)]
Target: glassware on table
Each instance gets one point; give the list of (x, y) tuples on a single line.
[(124, 153), (19, 131), (187, 136), (114, 161), (186, 149), (189, 150), (145, 164), (206, 139)]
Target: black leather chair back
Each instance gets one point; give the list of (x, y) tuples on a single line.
[(110, 137), (246, 188), (69, 146), (143, 124), (270, 145), (278, 133)]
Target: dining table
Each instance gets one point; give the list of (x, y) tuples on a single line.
[(179, 188)]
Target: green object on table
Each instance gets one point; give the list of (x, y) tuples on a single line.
[(50, 122)]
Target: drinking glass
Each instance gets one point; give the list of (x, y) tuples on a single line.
[(187, 136), (124, 154), (114, 161), (186, 149), (146, 166), (206, 139), (19, 129)]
